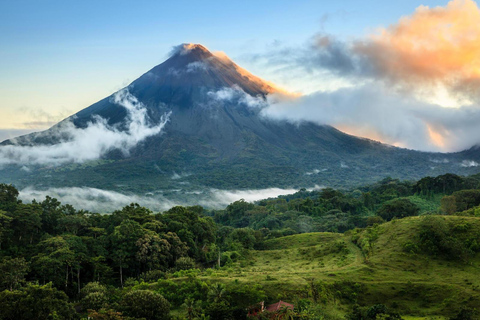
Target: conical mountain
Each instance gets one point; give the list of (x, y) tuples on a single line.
[(183, 81), (217, 137)]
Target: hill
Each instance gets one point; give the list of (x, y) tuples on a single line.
[(345, 272)]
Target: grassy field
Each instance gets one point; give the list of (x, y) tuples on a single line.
[(417, 285)]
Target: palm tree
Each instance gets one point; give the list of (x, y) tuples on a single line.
[(285, 313), (217, 292)]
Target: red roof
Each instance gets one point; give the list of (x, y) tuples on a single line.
[(278, 306)]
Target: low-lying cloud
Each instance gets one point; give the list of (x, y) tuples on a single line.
[(105, 201), (84, 144), (378, 113), (96, 200)]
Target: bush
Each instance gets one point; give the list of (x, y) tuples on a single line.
[(439, 239), (145, 304), (153, 275), (185, 263), (35, 302)]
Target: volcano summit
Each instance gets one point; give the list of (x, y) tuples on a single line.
[(196, 121)]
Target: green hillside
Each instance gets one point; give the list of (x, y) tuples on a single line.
[(391, 250), (357, 268)]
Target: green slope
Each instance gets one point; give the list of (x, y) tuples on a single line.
[(348, 270)]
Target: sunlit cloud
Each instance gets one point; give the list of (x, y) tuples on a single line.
[(378, 113), (436, 47), (399, 83)]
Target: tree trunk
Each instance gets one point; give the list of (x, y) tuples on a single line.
[(121, 276), (78, 279), (66, 279)]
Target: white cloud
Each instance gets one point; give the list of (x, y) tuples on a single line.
[(83, 144), (96, 200), (375, 111), (469, 163), (196, 66), (237, 95), (105, 201)]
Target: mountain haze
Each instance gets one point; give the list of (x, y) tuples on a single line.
[(216, 136)]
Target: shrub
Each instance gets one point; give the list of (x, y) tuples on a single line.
[(146, 304)]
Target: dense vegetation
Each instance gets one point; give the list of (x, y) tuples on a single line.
[(333, 254)]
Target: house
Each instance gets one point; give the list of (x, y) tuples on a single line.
[(255, 310), (279, 306)]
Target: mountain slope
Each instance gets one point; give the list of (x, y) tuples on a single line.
[(217, 137)]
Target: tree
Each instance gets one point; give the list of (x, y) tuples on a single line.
[(35, 302), (217, 292), (13, 272), (153, 251), (146, 304), (466, 199), (54, 255), (448, 205), (94, 296), (123, 240), (104, 314), (193, 308), (51, 213), (244, 236), (8, 197), (5, 230), (79, 254), (26, 222), (398, 208), (73, 223)]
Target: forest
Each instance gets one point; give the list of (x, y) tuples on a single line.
[(57, 262)]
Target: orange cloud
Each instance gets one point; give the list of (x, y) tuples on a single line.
[(439, 45), (436, 137)]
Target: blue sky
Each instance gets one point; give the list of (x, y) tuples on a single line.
[(58, 57)]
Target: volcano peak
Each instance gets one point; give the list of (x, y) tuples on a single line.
[(195, 50)]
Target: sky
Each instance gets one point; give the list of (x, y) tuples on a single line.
[(402, 72)]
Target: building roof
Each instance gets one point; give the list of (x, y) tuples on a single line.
[(278, 306)]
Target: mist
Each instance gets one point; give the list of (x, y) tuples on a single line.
[(93, 142), (107, 201)]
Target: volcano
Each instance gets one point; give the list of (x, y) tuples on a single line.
[(217, 137)]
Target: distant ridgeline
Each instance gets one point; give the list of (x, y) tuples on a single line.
[(196, 121), (388, 249)]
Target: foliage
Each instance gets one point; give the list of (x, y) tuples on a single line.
[(398, 208), (145, 304)]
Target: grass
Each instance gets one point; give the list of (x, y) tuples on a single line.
[(416, 285)]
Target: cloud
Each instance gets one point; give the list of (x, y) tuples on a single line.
[(235, 94), (414, 84), (439, 46), (196, 66), (105, 201), (433, 51), (222, 198), (96, 200), (469, 164), (378, 113), (185, 48), (83, 144)]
